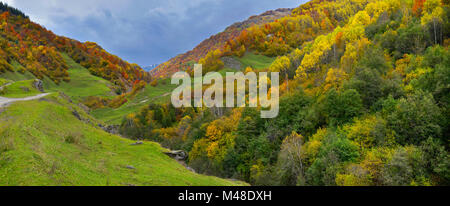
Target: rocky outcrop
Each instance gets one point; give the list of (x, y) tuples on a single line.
[(76, 114), (39, 85), (84, 107), (230, 62), (130, 167), (25, 89), (177, 154), (112, 129), (137, 143), (64, 96), (190, 169)]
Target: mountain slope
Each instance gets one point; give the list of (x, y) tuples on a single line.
[(150, 67), (82, 85), (272, 37), (36, 151), (38, 51), (365, 100), (53, 141), (215, 42)]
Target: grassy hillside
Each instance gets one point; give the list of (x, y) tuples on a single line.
[(4, 81), (82, 83), (36, 151), (157, 94), (19, 89), (255, 61)]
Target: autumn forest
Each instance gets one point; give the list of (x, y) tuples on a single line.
[(364, 95)]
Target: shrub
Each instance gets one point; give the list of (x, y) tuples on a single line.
[(74, 137), (416, 118), (342, 107)]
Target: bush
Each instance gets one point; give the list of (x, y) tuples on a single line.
[(95, 102), (416, 118), (335, 152), (74, 138), (437, 160), (406, 168), (412, 39), (398, 172), (342, 107), (369, 132), (154, 83), (368, 83)]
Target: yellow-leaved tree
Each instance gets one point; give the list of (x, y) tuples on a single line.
[(433, 17), (282, 64)]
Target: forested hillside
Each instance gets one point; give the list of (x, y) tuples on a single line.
[(185, 61), (365, 94), (37, 50), (365, 100)]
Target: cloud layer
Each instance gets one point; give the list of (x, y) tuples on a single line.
[(144, 31)]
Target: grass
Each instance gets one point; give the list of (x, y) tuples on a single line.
[(42, 143), (224, 71), (4, 81), (255, 61), (19, 89), (82, 83), (150, 94)]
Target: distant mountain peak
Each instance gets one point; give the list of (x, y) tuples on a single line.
[(216, 41)]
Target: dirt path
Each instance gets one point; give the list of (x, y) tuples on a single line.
[(5, 85), (6, 101), (155, 98)]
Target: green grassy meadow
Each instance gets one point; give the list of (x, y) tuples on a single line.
[(19, 89), (4, 81), (82, 83), (255, 61), (43, 143)]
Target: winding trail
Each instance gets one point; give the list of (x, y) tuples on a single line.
[(6, 101), (5, 85)]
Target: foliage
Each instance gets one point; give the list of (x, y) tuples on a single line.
[(342, 107), (38, 50), (369, 132), (4, 7), (416, 118), (369, 105)]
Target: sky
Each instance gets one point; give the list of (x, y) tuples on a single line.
[(144, 31)]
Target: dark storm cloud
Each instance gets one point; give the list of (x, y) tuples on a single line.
[(144, 31)]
